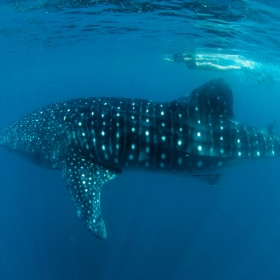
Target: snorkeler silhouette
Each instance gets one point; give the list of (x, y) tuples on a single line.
[(223, 63), (203, 63)]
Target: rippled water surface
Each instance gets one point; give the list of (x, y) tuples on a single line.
[(159, 226), (246, 26)]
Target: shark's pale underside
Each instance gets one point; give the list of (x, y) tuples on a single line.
[(93, 139)]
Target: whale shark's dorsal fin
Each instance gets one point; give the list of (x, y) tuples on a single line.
[(84, 179), (213, 99), (271, 128)]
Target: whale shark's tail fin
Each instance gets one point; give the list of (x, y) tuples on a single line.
[(84, 180)]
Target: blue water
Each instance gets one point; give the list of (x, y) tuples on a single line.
[(159, 226)]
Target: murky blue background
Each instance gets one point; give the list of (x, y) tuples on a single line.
[(159, 226)]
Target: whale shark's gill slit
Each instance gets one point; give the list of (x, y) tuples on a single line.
[(84, 179)]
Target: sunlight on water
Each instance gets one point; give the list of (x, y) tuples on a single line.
[(159, 226)]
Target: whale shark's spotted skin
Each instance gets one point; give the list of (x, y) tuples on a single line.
[(93, 139)]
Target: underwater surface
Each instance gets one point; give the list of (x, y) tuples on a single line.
[(159, 226)]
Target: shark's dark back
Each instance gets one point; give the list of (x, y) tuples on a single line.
[(93, 139), (126, 132)]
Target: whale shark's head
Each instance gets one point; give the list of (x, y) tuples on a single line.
[(37, 137)]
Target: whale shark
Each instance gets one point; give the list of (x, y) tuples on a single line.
[(92, 140)]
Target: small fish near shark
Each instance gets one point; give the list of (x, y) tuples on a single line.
[(93, 139)]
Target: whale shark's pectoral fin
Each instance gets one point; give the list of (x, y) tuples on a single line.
[(84, 180)]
